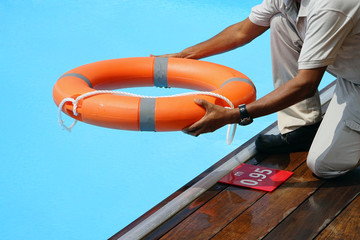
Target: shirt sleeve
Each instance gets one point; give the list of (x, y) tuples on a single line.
[(261, 14), (326, 33)]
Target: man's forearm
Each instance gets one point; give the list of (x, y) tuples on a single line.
[(230, 38), (303, 86)]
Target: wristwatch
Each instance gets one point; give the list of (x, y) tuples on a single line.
[(245, 118)]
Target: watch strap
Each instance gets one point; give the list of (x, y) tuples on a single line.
[(245, 118)]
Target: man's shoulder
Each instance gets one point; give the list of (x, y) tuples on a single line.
[(262, 13), (272, 5)]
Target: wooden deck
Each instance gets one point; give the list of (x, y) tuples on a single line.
[(304, 207)]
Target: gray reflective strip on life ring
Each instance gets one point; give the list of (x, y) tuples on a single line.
[(160, 72), (238, 79), (77, 75), (147, 114)]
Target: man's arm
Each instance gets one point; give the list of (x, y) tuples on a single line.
[(230, 38), (303, 86)]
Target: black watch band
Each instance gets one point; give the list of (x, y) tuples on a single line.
[(245, 118)]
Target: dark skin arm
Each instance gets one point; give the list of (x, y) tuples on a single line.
[(303, 86), (230, 38)]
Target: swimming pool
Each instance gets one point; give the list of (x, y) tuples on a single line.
[(92, 182)]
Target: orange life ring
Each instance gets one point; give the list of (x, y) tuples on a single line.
[(154, 114)]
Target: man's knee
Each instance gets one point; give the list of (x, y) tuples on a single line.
[(327, 165), (314, 164)]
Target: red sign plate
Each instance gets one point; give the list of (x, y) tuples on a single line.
[(257, 177)]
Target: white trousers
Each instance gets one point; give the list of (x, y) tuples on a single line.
[(285, 50), (336, 147)]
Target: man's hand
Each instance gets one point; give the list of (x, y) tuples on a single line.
[(215, 117)]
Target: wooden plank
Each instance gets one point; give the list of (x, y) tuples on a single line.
[(271, 209), (215, 214), (346, 225), (187, 211), (287, 162), (317, 211), (228, 204)]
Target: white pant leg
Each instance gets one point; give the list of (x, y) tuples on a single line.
[(285, 50), (336, 147)]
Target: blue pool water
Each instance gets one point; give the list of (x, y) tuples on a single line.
[(92, 182)]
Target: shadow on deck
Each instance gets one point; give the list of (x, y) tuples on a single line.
[(304, 207)]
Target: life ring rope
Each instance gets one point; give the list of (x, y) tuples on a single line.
[(229, 138)]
